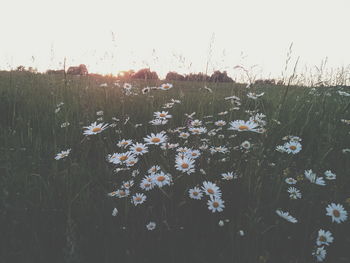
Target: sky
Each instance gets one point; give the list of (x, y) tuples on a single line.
[(183, 35)]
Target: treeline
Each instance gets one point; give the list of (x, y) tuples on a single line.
[(147, 74)]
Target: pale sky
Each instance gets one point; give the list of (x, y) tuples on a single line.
[(110, 36)]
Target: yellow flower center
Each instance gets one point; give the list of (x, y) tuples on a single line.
[(160, 178), (322, 238), (166, 87), (96, 129), (138, 198), (196, 131), (194, 154), (210, 191), (162, 115), (215, 204), (124, 143), (138, 149), (121, 193), (292, 147), (336, 213), (243, 127), (155, 140), (184, 165), (123, 157), (195, 193)]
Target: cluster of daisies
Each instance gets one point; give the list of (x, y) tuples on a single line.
[(185, 159)]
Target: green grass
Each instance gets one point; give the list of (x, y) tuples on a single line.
[(59, 211)]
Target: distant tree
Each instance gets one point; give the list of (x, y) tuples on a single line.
[(21, 68), (219, 76), (265, 81), (54, 72), (171, 76), (197, 77), (80, 70), (145, 74)]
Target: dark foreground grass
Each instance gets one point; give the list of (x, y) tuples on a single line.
[(59, 211)]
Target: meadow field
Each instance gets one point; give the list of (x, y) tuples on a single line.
[(97, 170)]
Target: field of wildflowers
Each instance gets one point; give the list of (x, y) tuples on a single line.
[(96, 170)]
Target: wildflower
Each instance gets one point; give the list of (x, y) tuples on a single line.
[(220, 123), (154, 169), (215, 204), (166, 86), (196, 123), (99, 113), (313, 178), (254, 96), (120, 158), (193, 154), (320, 254), (195, 193), (185, 165), (337, 212), (246, 145), (65, 124), (286, 216), (198, 130), (229, 176), (184, 135), (294, 193), (62, 154), (292, 147), (124, 143), (139, 148), (161, 179), (157, 122), (241, 125), (162, 115), (211, 189), (122, 193), (95, 128), (151, 226), (324, 238), (138, 199), (290, 180), (156, 139), (329, 175)]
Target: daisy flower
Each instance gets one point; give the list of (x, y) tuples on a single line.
[(211, 189), (196, 123), (184, 135), (132, 161), (195, 193), (197, 130), (154, 169), (246, 145), (229, 176), (120, 158), (292, 147), (122, 193), (95, 128), (193, 154), (128, 184), (124, 143), (156, 139), (161, 179), (166, 86), (62, 154), (290, 180), (329, 175), (185, 165), (337, 212), (157, 122), (254, 96), (241, 125), (320, 254), (162, 115), (139, 148), (311, 176), (138, 199), (215, 204), (218, 149), (286, 216), (151, 226), (294, 193), (220, 123), (324, 238)]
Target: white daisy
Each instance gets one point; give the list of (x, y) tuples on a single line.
[(294, 193), (198, 130), (329, 175), (161, 179), (196, 123), (120, 158), (62, 154), (139, 148), (241, 125), (320, 254), (324, 238), (215, 204), (138, 199), (337, 212), (162, 115), (154, 169), (311, 176), (290, 180), (122, 193), (195, 193), (184, 135), (151, 226), (95, 128), (166, 86), (220, 123), (211, 189), (246, 145), (156, 139), (124, 143), (193, 154), (158, 122), (229, 176), (185, 165), (292, 147), (286, 216)]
